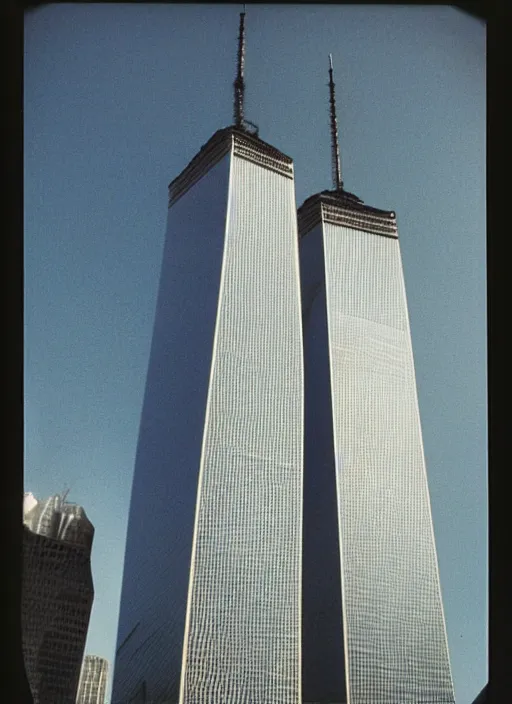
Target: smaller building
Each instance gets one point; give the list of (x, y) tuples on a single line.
[(57, 596), (93, 680)]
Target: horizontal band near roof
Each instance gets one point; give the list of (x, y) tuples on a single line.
[(244, 145), (346, 210)]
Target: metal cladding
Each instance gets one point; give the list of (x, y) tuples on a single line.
[(211, 596), (93, 680), (354, 307), (57, 596)]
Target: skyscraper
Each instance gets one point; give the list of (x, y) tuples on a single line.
[(57, 596), (93, 680), (211, 595), (377, 632)]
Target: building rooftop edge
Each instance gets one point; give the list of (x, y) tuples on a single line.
[(346, 209), (345, 199), (38, 517), (246, 146)]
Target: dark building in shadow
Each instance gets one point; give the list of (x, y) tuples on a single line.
[(57, 596), (482, 697)]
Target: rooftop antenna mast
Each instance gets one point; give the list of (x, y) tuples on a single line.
[(239, 112), (239, 84), (335, 148)]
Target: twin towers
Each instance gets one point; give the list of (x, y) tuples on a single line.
[(280, 547)]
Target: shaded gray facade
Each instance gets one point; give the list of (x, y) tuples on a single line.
[(323, 678), (93, 680), (364, 463), (57, 596), (211, 596)]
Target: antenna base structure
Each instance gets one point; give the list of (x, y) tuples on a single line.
[(335, 149)]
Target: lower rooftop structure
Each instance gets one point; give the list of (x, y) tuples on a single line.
[(344, 208)]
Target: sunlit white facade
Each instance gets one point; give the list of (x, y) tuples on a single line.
[(211, 596), (363, 444)]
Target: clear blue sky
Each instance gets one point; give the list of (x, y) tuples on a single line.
[(118, 99)]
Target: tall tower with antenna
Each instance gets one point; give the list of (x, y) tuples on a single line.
[(373, 624), (211, 594)]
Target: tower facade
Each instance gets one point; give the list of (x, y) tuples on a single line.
[(363, 446), (211, 596), (57, 595), (93, 680)]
